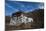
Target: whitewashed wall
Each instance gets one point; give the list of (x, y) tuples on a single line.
[(21, 19)]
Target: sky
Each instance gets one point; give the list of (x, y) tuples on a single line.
[(14, 6)]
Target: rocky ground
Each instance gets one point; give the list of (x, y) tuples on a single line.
[(19, 27)]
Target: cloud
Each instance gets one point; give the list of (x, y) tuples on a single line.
[(19, 4), (9, 6), (22, 5), (15, 10), (8, 10), (41, 6)]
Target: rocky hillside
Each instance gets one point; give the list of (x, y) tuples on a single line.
[(7, 19), (37, 15)]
